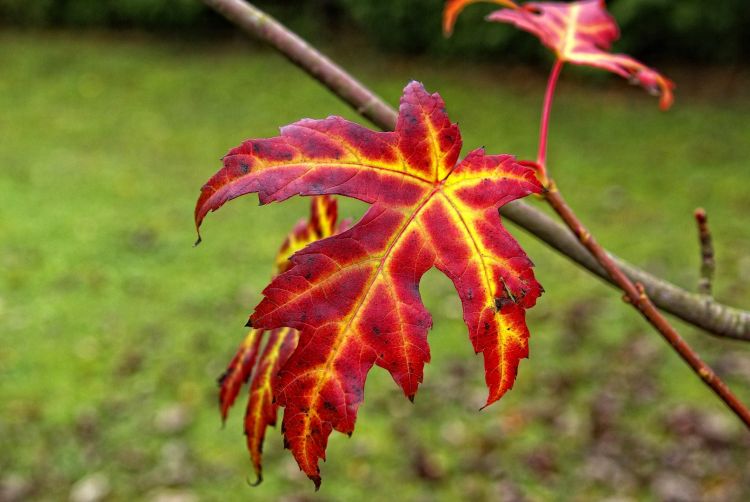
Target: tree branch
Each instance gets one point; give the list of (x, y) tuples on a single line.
[(701, 311)]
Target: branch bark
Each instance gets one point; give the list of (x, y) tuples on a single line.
[(701, 311)]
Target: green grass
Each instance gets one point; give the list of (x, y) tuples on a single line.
[(108, 315)]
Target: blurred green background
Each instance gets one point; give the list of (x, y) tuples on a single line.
[(113, 328), (688, 30)]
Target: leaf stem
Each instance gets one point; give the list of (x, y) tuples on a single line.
[(549, 95)]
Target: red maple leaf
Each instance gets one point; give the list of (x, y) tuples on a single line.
[(354, 297), (580, 33), (262, 407)]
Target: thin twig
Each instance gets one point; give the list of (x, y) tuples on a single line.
[(636, 293), (716, 318), (708, 263)]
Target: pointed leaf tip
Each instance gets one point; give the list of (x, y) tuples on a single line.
[(257, 482)]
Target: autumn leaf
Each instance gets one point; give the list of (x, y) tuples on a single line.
[(262, 408), (354, 297), (580, 33)]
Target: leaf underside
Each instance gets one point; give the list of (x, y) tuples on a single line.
[(580, 33), (354, 297)]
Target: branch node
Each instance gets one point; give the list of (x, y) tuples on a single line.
[(641, 291)]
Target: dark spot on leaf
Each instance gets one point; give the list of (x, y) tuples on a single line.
[(501, 303)]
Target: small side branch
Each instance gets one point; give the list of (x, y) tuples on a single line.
[(708, 262), (541, 158)]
